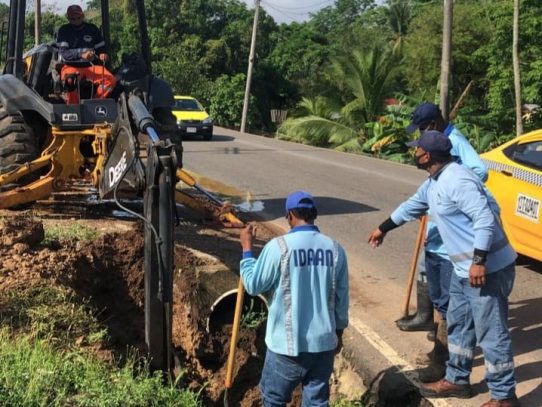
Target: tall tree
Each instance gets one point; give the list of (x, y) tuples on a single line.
[(446, 57), (517, 75)]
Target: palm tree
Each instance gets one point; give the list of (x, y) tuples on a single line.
[(365, 81), (399, 15)]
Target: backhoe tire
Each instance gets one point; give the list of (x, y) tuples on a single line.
[(18, 145)]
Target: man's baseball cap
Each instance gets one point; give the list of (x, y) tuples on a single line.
[(299, 199), (74, 11), (433, 141), (425, 112)]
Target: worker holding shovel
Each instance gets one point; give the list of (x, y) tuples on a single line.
[(307, 273)]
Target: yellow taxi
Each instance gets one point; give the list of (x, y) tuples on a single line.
[(515, 179), (192, 119)]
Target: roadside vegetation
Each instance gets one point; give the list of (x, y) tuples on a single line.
[(55, 351), (349, 76)]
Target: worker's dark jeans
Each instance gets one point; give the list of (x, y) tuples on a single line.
[(439, 274), (281, 374)]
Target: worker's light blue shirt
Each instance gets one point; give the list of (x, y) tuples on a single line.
[(460, 208), (306, 274), (466, 155)]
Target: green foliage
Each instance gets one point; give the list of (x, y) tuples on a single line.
[(343, 402), (299, 55), (226, 101), (32, 373), (500, 96), (250, 318), (201, 47), (363, 81), (43, 362)]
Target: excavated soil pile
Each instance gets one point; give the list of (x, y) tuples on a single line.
[(108, 271)]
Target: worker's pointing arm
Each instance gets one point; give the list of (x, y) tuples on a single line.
[(413, 208)]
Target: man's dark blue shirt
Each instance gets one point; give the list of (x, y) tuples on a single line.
[(73, 40)]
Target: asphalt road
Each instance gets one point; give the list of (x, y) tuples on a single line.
[(354, 194)]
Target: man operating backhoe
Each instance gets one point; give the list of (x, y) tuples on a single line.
[(82, 50)]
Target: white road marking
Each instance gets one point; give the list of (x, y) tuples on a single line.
[(392, 356)]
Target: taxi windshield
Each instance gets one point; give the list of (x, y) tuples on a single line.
[(187, 105)]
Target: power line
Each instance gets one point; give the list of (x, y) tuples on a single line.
[(286, 14), (309, 6)]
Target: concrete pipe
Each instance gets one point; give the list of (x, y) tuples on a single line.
[(217, 294)]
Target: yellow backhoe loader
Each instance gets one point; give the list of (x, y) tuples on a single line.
[(125, 143)]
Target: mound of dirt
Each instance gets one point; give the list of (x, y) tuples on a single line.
[(108, 272)]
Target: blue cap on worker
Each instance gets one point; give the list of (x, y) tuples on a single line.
[(433, 141), (299, 199), (425, 112)]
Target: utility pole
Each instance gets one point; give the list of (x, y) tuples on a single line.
[(37, 21), (446, 57), (250, 64), (517, 73)]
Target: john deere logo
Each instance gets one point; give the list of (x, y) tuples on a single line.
[(101, 111)]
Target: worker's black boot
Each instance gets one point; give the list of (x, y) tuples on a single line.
[(423, 319), (439, 356)]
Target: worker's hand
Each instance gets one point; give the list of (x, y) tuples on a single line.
[(247, 234), (103, 57), (376, 238), (88, 55), (477, 275)]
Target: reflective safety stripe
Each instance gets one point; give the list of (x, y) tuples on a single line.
[(459, 257), (500, 367), (529, 176), (331, 298), (100, 44), (287, 293), (63, 44), (458, 350)]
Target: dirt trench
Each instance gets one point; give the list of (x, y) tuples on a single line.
[(109, 272)]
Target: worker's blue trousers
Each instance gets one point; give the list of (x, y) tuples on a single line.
[(282, 374), (439, 274), (480, 314)]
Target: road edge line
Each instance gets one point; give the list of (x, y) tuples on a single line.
[(392, 356)]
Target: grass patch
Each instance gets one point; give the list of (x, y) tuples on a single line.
[(43, 364), (71, 231), (342, 402), (33, 373), (53, 313)]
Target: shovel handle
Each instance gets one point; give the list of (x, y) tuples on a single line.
[(234, 333), (413, 264)]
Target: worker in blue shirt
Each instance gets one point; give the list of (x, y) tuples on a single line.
[(306, 273), (435, 268), (484, 270)]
